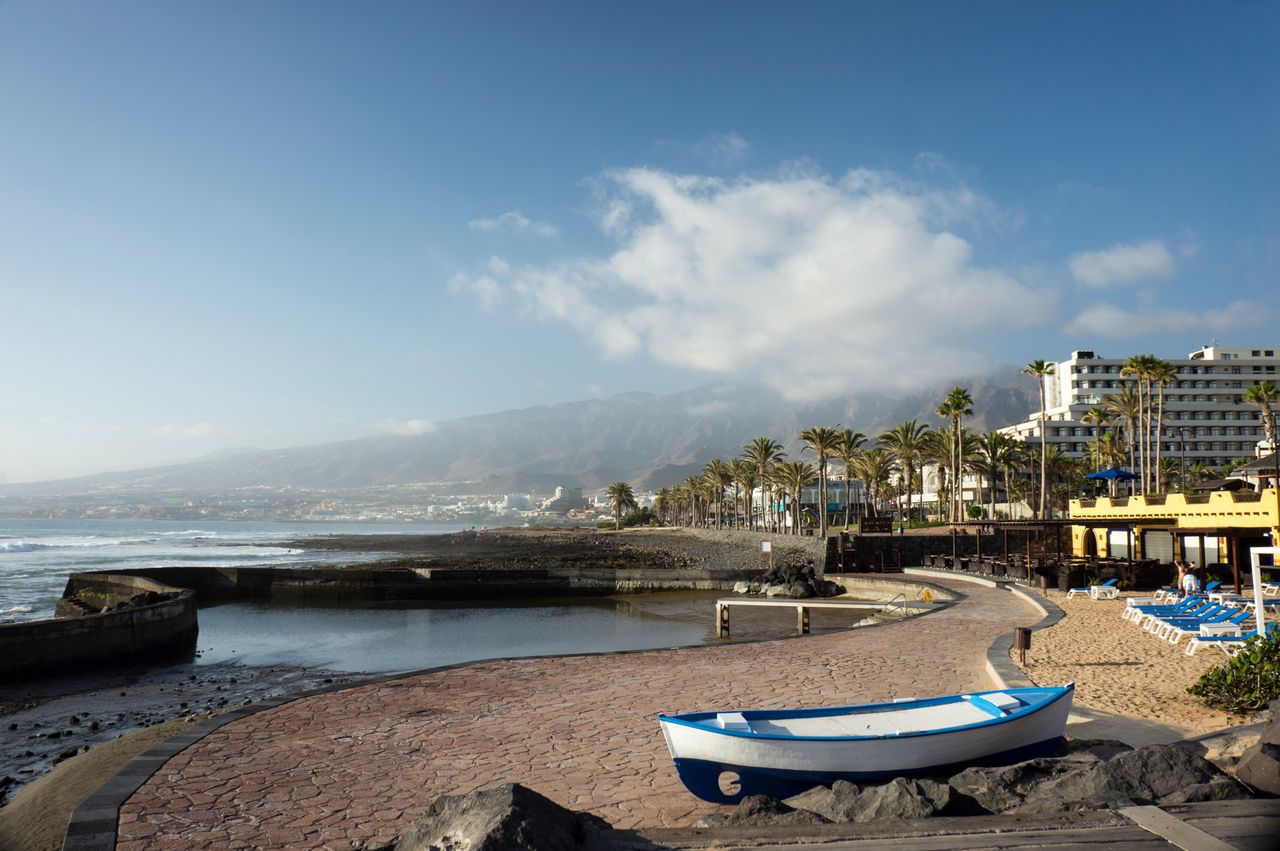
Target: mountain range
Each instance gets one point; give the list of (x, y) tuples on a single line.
[(647, 439)]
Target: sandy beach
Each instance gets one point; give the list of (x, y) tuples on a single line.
[(1118, 667)]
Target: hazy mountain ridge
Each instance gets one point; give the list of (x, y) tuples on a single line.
[(649, 439)]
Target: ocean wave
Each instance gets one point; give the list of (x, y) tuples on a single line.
[(202, 533), (16, 610), (20, 547)]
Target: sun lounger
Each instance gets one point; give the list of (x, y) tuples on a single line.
[(1231, 644), (1156, 621), (1159, 626), (1190, 606), (1106, 591), (1176, 632)]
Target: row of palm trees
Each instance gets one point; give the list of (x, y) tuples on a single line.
[(727, 488), (895, 462)]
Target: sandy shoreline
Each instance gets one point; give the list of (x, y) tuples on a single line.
[(1118, 667)]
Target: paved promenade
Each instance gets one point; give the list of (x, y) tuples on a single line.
[(356, 767)]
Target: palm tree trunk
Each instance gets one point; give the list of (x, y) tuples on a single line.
[(1043, 450)]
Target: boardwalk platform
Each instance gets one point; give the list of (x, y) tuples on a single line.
[(1212, 826)]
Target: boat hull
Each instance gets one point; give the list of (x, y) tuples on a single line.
[(724, 768)]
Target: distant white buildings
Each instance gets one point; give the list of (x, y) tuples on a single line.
[(1205, 416), (565, 500)]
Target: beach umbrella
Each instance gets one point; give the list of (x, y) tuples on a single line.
[(1113, 474)]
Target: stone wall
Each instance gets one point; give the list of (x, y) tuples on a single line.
[(163, 629)]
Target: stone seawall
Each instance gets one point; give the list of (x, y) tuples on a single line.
[(82, 639)]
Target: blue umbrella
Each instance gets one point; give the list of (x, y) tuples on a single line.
[(1113, 473)]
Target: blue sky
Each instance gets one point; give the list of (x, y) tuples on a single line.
[(249, 224)]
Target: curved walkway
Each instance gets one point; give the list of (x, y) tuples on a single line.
[(357, 767)]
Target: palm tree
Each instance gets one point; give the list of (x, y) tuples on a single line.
[(764, 452), (992, 455), (794, 476), (906, 441), (1264, 395), (1163, 374), (1098, 417), (1040, 370), (663, 505), (875, 466), (847, 450), (744, 477), (717, 476), (957, 405), (1127, 406), (623, 500), (823, 441)]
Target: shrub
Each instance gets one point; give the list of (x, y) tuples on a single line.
[(1247, 682)]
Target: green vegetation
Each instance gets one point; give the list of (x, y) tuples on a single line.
[(1247, 682)]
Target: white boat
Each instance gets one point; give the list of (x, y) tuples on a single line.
[(724, 756)]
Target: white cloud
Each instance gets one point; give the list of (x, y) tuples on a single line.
[(1122, 263), (406, 427), (813, 284), (1108, 320), (484, 287), (515, 221)]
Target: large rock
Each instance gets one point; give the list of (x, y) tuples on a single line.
[(1003, 788), (1156, 774), (901, 798), (505, 818), (757, 810), (1259, 767)]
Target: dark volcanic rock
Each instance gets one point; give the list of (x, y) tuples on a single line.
[(795, 581), (1003, 788), (1101, 748), (505, 818), (1156, 774), (901, 798), (1260, 767), (757, 810)]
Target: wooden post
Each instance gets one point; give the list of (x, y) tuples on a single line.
[(722, 620), (1235, 559), (802, 619)]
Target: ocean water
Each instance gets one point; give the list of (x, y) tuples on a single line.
[(37, 556)]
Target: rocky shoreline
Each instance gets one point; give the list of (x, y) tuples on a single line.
[(524, 549)]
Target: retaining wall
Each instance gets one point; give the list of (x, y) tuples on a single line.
[(162, 629)]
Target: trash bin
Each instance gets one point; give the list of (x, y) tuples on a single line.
[(1022, 641)]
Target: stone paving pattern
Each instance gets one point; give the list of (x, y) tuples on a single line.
[(357, 767)]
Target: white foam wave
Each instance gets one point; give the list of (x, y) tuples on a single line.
[(20, 547), (16, 610), (201, 533)]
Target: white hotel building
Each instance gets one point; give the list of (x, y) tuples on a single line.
[(1205, 416)]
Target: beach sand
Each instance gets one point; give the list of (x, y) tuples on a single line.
[(1120, 668)]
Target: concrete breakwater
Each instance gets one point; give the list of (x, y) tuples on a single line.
[(104, 618)]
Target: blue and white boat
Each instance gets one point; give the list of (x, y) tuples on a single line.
[(725, 756)]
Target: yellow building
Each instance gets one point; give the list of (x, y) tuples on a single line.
[(1207, 529)]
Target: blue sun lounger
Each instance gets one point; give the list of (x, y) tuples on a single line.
[(1106, 591)]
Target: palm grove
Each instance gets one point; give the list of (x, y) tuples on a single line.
[(890, 469)]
